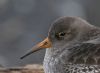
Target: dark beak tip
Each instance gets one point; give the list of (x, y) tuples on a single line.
[(21, 58), (26, 55)]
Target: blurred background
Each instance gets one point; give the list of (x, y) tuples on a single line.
[(23, 23)]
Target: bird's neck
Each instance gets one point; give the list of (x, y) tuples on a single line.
[(52, 62)]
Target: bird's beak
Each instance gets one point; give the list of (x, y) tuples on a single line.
[(44, 44)]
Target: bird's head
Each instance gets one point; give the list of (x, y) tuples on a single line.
[(62, 31)]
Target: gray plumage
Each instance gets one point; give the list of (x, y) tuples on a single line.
[(76, 50)]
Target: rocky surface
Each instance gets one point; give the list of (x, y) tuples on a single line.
[(35, 68)]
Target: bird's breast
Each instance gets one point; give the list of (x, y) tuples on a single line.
[(58, 64), (52, 64)]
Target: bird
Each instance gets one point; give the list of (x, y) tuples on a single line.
[(72, 46)]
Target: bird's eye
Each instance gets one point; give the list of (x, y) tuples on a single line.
[(60, 35)]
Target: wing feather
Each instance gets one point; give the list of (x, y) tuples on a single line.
[(88, 53)]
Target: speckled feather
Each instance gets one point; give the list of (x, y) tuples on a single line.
[(82, 68)]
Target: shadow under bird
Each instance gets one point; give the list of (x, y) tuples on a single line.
[(72, 46)]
